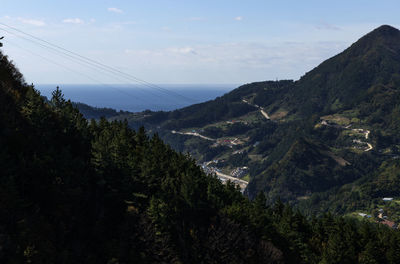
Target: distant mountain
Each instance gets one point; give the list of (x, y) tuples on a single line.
[(90, 112), (342, 82), (335, 127)]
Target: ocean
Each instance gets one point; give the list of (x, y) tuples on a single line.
[(136, 98)]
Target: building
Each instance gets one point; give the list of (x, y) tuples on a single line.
[(390, 224), (239, 172)]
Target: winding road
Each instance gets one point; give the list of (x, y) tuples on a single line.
[(259, 107), (265, 114), (358, 130), (366, 132), (193, 134)]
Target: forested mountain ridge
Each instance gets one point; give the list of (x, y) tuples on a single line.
[(347, 109), (357, 76), (74, 191), (350, 78), (90, 112)]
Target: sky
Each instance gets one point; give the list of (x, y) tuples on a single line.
[(183, 41)]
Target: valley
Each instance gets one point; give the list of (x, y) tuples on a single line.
[(300, 140), (212, 132)]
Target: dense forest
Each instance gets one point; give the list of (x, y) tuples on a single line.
[(79, 191)]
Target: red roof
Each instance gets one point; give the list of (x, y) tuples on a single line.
[(389, 223)]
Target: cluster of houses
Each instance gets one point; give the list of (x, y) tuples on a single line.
[(328, 123), (239, 172), (231, 122), (223, 177), (227, 142), (382, 218), (240, 151), (208, 169)]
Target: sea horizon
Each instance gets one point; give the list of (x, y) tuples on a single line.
[(137, 98)]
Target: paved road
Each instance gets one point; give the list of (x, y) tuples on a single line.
[(233, 142), (370, 147), (265, 114), (259, 107), (193, 134), (366, 135), (227, 177)]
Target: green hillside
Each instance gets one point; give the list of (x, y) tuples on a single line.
[(335, 127), (351, 78), (78, 191), (90, 112)]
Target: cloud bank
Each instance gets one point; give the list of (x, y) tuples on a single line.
[(238, 62)]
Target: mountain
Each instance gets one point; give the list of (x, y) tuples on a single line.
[(305, 169), (335, 127), (350, 78), (342, 82), (79, 191), (90, 112)]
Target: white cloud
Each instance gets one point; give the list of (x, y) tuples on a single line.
[(73, 21), (33, 22), (184, 50), (115, 10), (196, 18), (241, 61), (238, 18)]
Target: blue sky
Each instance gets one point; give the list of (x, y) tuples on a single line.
[(184, 41)]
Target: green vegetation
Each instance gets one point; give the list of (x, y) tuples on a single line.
[(333, 137), (90, 112), (73, 191)]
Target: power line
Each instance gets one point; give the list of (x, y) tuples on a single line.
[(80, 62), (76, 72), (75, 60), (97, 63), (103, 66)]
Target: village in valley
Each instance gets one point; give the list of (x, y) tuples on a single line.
[(354, 135), (379, 215), (236, 175)]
